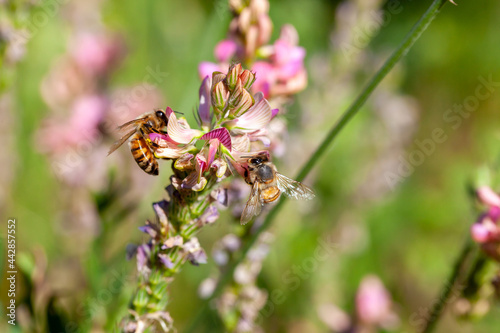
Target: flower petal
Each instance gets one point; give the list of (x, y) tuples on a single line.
[(193, 182), (171, 152), (220, 166), (222, 134), (160, 209), (178, 133), (148, 229), (205, 101), (488, 196), (173, 241), (142, 255), (212, 150), (165, 260), (274, 112), (241, 143), (198, 257), (257, 117), (220, 195), (184, 162), (210, 215)]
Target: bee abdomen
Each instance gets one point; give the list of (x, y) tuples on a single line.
[(270, 194), (143, 154)]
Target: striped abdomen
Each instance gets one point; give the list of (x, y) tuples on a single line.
[(270, 194), (142, 154)]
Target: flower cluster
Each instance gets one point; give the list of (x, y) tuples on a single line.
[(486, 230), (279, 67), (232, 124)]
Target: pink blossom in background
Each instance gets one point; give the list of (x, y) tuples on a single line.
[(265, 77), (486, 229), (129, 103), (56, 136), (95, 53), (206, 68), (225, 50), (373, 303), (283, 72)]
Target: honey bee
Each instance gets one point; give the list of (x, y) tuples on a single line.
[(138, 131), (267, 186)]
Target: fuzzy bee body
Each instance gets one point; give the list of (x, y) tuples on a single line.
[(138, 131), (142, 154), (267, 186)]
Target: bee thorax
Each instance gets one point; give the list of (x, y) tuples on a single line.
[(265, 173)]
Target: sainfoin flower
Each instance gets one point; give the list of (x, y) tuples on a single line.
[(278, 68), (232, 123), (486, 230), (374, 304), (284, 73)]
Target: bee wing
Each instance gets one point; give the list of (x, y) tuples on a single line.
[(133, 122), (119, 142), (293, 189), (130, 127), (253, 206)]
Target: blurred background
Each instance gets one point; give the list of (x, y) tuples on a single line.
[(392, 192)]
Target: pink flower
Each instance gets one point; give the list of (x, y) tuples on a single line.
[(225, 50), (373, 303), (179, 140), (204, 109), (206, 68), (179, 130), (265, 77), (82, 126), (488, 197), (256, 118), (486, 229), (95, 53), (284, 72)]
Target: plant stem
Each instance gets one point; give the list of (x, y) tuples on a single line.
[(447, 289), (402, 49)]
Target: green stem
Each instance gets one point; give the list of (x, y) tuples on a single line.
[(446, 291), (402, 49)]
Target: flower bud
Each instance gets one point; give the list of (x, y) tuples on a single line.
[(265, 26), (161, 304), (247, 79), (220, 95), (141, 299), (159, 290), (240, 101), (155, 277), (232, 75)]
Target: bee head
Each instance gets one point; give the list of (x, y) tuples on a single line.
[(255, 161), (161, 115), (258, 159)]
